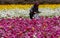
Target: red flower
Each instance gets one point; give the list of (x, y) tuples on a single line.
[(27, 29), (20, 34)]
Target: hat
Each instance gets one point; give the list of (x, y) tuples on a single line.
[(36, 3)]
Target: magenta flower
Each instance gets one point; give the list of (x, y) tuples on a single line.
[(45, 27)]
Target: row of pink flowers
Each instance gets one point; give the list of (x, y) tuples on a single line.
[(45, 27)]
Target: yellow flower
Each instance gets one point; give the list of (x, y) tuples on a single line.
[(52, 6)]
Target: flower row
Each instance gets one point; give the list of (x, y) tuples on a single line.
[(25, 12), (26, 6), (44, 27)]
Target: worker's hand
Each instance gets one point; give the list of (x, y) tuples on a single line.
[(34, 12)]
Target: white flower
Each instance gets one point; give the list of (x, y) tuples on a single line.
[(2, 37), (25, 12)]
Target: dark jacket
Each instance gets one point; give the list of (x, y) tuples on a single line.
[(34, 9)]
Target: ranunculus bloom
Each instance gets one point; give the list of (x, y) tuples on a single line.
[(37, 28)]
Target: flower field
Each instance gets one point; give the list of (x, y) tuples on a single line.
[(44, 27), (8, 11), (13, 25)]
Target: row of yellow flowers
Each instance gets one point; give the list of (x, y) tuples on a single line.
[(52, 6)]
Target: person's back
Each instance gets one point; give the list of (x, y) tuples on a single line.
[(34, 10)]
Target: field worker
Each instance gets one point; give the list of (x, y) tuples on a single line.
[(34, 10)]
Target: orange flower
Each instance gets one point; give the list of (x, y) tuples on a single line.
[(44, 25), (33, 28), (1, 27), (10, 27), (59, 37)]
